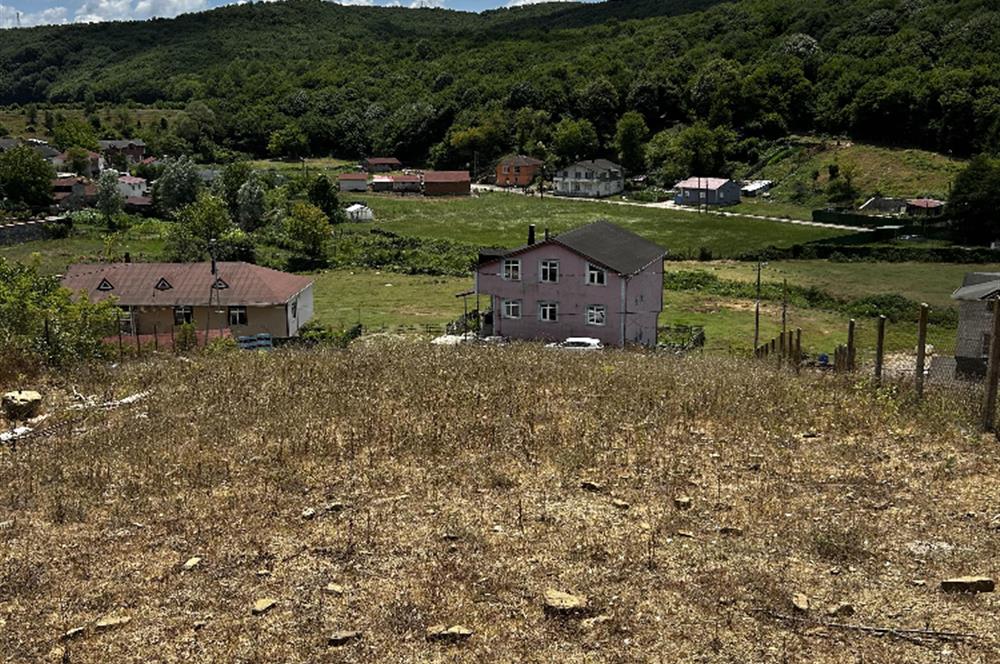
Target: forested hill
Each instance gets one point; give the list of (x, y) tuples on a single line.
[(439, 85)]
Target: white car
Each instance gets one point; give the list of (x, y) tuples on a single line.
[(577, 343)]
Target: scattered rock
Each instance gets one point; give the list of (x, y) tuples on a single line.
[(263, 605), (263, 572), (968, 584), (308, 513), (343, 637), (560, 603), (734, 531), (591, 623), (21, 404), (685, 533), (800, 602), (682, 502), (191, 563), (335, 506), (110, 620), (593, 487), (76, 631), (57, 654), (7, 525), (449, 537), (200, 624), (919, 583), (453, 634), (620, 504), (840, 610), (924, 548), (334, 588)]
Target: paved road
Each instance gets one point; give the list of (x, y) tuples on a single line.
[(670, 205)]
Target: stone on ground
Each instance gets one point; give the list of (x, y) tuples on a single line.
[(968, 584), (21, 404), (800, 602), (192, 562), (263, 605), (560, 603), (453, 634), (344, 637)]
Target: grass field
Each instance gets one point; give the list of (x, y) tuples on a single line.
[(496, 219), (313, 166), (389, 488), (900, 172)]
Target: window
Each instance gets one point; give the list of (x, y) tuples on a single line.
[(512, 269), (687, 193), (986, 344), (701, 195), (163, 285), (517, 169), (597, 314), (596, 276), (295, 309), (722, 195), (512, 309), (548, 312), (183, 315), (237, 316), (548, 272), (125, 320)]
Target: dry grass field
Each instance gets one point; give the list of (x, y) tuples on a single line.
[(455, 486)]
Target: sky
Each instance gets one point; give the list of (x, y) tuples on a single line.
[(40, 12)]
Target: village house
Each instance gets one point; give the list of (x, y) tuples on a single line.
[(132, 187), (381, 183), (447, 183), (406, 184), (595, 178), (155, 298), (353, 181), (381, 164), (517, 171), (130, 150), (598, 281), (976, 298), (707, 191), (72, 192), (924, 207), (95, 163)]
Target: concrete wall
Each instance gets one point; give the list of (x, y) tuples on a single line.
[(632, 305), (303, 311), (353, 185)]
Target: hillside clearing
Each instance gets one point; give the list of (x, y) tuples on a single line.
[(446, 488)]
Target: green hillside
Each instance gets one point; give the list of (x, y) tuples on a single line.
[(448, 87)]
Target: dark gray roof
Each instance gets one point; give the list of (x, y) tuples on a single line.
[(597, 165), (121, 144), (47, 151), (8, 143), (612, 246), (978, 286)]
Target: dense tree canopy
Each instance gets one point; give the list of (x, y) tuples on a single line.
[(455, 88), (975, 200), (25, 177)]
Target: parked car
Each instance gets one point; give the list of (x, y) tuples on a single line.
[(577, 343)]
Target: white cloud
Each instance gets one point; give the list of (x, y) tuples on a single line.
[(417, 4), (166, 8), (9, 16)]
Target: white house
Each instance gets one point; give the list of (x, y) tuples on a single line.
[(131, 187), (359, 212), (594, 178)]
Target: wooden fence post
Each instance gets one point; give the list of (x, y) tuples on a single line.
[(850, 345), (156, 338), (879, 348), (921, 351), (798, 349), (781, 348), (992, 372)]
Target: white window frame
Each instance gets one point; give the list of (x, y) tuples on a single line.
[(546, 265), (510, 269), (511, 309), (548, 306), (183, 313), (591, 275), (238, 310), (597, 315)]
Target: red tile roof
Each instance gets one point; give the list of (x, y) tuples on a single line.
[(190, 284), (446, 176), (405, 178), (352, 176), (927, 203), (141, 201), (520, 160), (131, 179), (383, 161)]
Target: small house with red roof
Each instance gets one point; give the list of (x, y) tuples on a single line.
[(406, 184), (447, 183), (353, 181), (240, 297), (924, 207)]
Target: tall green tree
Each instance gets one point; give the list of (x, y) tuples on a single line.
[(25, 177), (323, 194), (975, 200), (109, 199), (309, 230), (251, 203), (630, 139), (232, 178), (196, 226), (574, 139), (73, 132), (289, 142), (177, 186)]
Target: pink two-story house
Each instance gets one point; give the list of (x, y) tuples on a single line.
[(598, 281)]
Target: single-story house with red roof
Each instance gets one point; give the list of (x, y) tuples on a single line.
[(382, 183), (156, 297), (447, 183), (381, 164), (353, 181)]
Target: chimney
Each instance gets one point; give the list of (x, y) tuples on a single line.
[(546, 233), (531, 234)]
